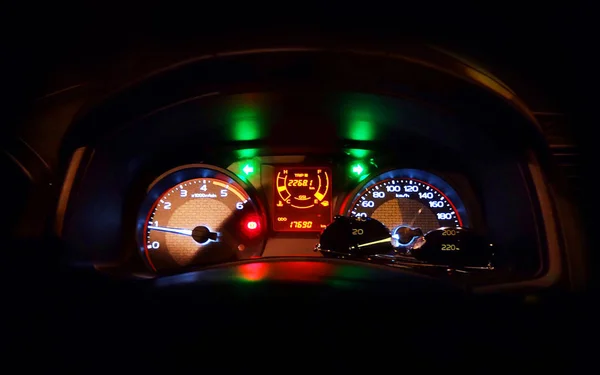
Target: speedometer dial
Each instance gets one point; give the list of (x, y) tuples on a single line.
[(409, 199)]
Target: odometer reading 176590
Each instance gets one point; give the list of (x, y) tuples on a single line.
[(302, 199)]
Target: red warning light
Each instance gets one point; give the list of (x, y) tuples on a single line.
[(251, 226)]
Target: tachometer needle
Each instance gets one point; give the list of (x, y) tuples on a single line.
[(185, 232)]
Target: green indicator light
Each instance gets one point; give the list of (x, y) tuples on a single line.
[(248, 169), (359, 170)]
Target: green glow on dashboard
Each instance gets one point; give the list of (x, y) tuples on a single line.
[(246, 129), (246, 121), (252, 272), (359, 117), (342, 284), (360, 129), (352, 272), (358, 153), (246, 153), (348, 276), (365, 117)]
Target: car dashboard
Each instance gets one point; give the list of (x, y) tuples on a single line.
[(265, 197), (305, 154)]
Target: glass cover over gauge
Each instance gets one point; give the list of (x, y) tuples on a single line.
[(410, 203), (302, 199), (205, 219)]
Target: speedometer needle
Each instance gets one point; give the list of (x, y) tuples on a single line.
[(185, 232), (415, 218), (374, 242)]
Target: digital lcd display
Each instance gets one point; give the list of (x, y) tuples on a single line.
[(302, 199)]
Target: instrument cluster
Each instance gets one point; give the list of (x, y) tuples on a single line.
[(340, 206)]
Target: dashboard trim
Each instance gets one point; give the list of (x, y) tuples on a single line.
[(65, 191), (554, 270), (432, 58)]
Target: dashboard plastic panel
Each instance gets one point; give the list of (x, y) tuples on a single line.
[(426, 120), (122, 166)]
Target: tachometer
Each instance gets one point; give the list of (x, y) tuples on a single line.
[(205, 219), (409, 201)]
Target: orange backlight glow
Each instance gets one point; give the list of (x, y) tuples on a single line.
[(302, 198)]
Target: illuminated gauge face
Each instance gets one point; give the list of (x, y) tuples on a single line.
[(201, 221), (408, 202), (302, 198)]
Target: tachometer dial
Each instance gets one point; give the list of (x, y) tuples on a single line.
[(409, 203), (201, 220)]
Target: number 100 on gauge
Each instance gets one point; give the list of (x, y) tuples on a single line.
[(302, 199)]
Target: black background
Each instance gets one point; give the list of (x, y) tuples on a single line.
[(543, 50)]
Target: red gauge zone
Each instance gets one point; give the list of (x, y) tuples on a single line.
[(406, 202), (201, 220), (302, 199)]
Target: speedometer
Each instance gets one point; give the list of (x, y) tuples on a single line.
[(409, 198)]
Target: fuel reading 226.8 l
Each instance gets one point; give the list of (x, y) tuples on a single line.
[(302, 199)]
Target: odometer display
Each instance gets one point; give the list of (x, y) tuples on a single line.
[(302, 199), (399, 199)]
